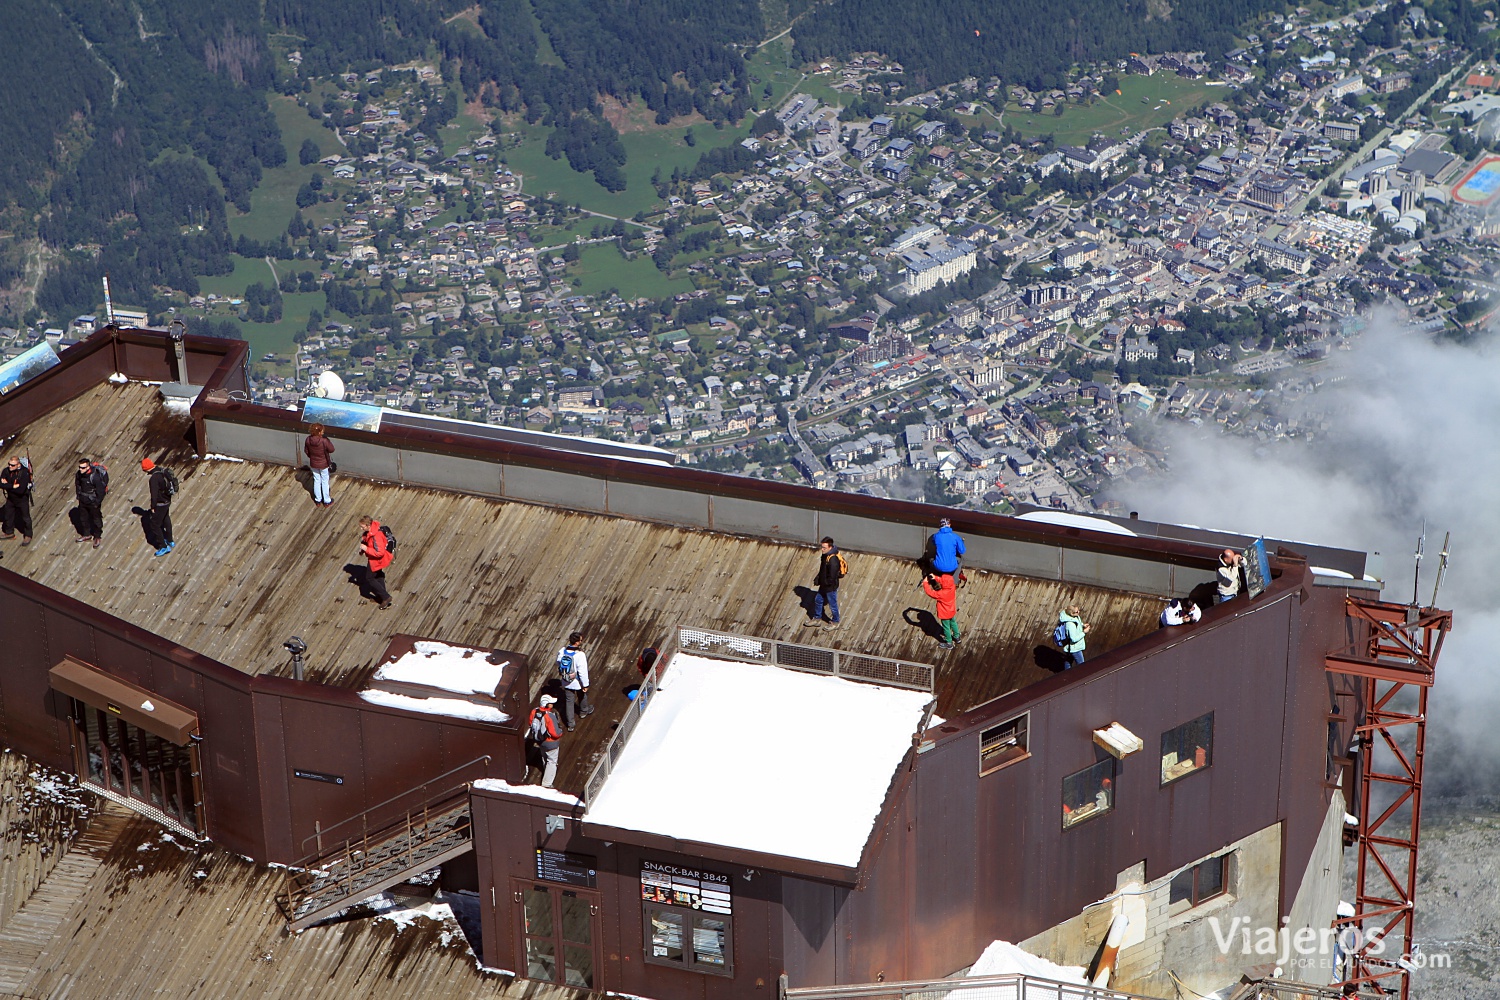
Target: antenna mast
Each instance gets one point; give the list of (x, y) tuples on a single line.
[(1416, 579), (1442, 567)]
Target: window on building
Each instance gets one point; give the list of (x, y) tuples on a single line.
[(1187, 748), (1200, 883), (1088, 793), (685, 939), (1004, 744)]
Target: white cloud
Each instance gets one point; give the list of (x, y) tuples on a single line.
[(1413, 433)]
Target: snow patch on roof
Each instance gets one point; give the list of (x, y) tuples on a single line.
[(1325, 571), (531, 791), (761, 759), (455, 708), (460, 669), (1070, 520)]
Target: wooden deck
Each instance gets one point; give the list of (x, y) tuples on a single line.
[(257, 562), (128, 912)]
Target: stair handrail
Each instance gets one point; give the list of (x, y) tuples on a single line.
[(306, 860)]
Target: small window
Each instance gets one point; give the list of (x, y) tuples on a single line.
[(1003, 744), (685, 939), (1089, 793), (1187, 748), (1200, 883)]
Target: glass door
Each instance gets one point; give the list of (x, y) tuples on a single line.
[(559, 933), (138, 765)]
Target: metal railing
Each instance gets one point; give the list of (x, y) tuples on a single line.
[(450, 789), (752, 649), (1019, 986), (1011, 986), (341, 869)]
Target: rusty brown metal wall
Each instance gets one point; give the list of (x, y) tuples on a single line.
[(507, 834), (33, 718), (140, 354), (973, 858), (255, 730), (379, 752)]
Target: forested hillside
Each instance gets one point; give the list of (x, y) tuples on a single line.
[(1020, 41), (115, 118)]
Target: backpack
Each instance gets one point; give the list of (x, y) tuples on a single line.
[(843, 565), (103, 471), (171, 482), (566, 668), (539, 732), (1060, 634), (390, 538)]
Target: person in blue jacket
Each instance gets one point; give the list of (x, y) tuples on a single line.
[(947, 550)]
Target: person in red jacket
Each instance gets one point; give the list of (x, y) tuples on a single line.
[(541, 730), (941, 588), (374, 548)]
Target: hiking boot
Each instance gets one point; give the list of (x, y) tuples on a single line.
[(162, 551), (385, 605), (585, 712), (85, 538), (26, 540), (7, 536), (171, 546), (945, 645), (571, 728), (96, 543), (813, 623), (831, 626)]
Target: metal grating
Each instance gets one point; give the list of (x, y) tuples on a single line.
[(897, 673), (824, 661), (726, 645)]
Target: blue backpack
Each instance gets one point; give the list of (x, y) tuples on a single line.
[(1060, 634), (566, 668)]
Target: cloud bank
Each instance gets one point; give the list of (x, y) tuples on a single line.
[(1412, 434)]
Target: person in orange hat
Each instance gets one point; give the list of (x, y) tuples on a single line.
[(159, 521)]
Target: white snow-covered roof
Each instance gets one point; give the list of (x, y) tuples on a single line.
[(1070, 520), (454, 708), (460, 669), (759, 758)]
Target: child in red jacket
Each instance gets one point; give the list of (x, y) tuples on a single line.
[(941, 588)]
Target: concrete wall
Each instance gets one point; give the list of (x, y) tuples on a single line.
[(691, 506), (1181, 940), (1317, 900)]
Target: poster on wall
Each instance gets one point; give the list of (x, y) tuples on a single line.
[(340, 413), (693, 888), (1257, 569), (27, 365)]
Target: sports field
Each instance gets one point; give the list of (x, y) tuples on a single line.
[(1480, 185), (1143, 102)]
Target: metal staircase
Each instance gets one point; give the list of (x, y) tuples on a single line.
[(436, 827)]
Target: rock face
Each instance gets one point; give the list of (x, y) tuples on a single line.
[(1458, 905)]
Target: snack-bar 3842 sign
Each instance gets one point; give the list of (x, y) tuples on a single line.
[(690, 887)]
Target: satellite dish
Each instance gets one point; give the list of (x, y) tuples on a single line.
[(329, 385)]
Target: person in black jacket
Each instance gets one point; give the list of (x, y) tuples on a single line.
[(15, 515), (830, 572), (90, 484), (159, 522)]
